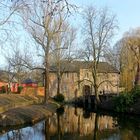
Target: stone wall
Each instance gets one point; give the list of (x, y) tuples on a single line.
[(33, 91), (73, 84), (68, 85)]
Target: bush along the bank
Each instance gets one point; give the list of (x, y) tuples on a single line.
[(3, 90), (59, 98), (20, 89), (125, 100)]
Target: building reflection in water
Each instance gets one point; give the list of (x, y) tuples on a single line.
[(75, 124), (78, 125)]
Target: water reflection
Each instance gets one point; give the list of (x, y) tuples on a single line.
[(78, 124), (28, 133)]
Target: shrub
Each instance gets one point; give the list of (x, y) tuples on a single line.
[(40, 84), (59, 98), (60, 110), (20, 89), (136, 92), (3, 89), (123, 102)]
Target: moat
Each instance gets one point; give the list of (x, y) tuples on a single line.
[(78, 124)]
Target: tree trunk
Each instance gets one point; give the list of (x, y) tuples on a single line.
[(58, 74), (137, 78), (46, 86), (47, 127), (59, 70), (46, 75), (97, 100), (58, 84), (94, 74)]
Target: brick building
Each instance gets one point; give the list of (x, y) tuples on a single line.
[(77, 79)]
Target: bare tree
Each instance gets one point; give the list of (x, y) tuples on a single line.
[(63, 47), (8, 76), (40, 19), (17, 62), (98, 29), (8, 10), (112, 56)]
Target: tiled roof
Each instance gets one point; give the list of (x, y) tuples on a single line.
[(75, 66), (28, 81)]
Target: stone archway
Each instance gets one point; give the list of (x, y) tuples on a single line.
[(86, 90)]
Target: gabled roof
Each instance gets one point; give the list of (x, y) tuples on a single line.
[(28, 81), (75, 66)]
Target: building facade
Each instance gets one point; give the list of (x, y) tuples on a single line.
[(77, 79)]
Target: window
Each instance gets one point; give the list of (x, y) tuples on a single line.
[(87, 75), (65, 88)]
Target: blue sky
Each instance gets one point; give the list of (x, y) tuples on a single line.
[(126, 11)]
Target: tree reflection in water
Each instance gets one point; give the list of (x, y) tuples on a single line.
[(28, 133), (96, 127), (60, 112), (46, 129), (79, 124)]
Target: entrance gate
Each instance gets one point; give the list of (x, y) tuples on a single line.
[(87, 90)]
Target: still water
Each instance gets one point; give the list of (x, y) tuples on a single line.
[(78, 124)]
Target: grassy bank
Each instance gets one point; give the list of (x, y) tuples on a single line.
[(18, 110), (8, 101)]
